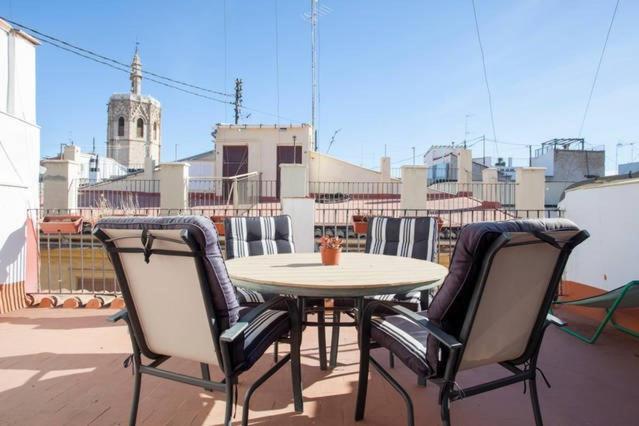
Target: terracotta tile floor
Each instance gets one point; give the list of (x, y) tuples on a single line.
[(63, 367)]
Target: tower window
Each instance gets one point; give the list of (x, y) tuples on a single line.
[(155, 131), (140, 128), (121, 126)]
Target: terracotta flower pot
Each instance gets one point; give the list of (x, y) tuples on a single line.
[(330, 256)]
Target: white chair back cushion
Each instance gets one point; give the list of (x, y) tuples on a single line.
[(167, 297)]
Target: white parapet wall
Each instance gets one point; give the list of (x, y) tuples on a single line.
[(174, 188), (530, 191), (297, 204), (607, 210), (465, 165), (302, 213), (60, 185), (414, 188), (294, 180), (385, 169)]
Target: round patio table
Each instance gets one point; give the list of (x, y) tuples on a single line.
[(358, 275)]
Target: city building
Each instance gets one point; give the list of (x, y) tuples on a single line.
[(134, 129), (94, 168), (627, 168), (567, 161), (19, 166)]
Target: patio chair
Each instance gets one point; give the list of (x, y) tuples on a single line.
[(180, 303), (263, 235), (491, 309), (626, 296), (415, 237)]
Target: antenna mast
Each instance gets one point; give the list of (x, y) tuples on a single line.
[(314, 68)]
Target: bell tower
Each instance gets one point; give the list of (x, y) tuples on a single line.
[(134, 123)]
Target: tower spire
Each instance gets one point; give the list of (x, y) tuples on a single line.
[(136, 72)]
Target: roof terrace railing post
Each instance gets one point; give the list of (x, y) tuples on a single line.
[(530, 189), (174, 186), (60, 184)]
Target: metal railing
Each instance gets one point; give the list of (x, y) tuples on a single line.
[(354, 194), (242, 191), (75, 263), (468, 195), (119, 194), (340, 222)]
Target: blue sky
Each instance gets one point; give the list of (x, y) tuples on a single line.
[(399, 74)]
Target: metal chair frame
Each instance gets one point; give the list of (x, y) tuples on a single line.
[(523, 368), (221, 339)]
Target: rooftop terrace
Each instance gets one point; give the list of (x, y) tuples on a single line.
[(65, 367)]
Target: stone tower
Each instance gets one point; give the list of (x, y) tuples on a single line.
[(134, 130)]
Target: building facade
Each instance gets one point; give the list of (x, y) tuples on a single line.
[(19, 166), (94, 168), (134, 128)]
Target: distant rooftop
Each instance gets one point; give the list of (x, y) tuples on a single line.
[(262, 126)]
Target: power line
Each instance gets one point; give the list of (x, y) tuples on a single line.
[(127, 72), (125, 68), (114, 61), (594, 81), (483, 61)]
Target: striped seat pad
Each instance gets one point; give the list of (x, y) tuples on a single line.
[(415, 237), (413, 299), (404, 339), (249, 297), (263, 331), (253, 236)]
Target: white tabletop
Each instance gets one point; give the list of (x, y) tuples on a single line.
[(358, 274)]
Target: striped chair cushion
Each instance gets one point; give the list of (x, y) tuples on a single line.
[(254, 236), (265, 329), (415, 237), (404, 339)]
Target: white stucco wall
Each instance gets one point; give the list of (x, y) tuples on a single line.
[(201, 168), (324, 168), (608, 259), (262, 142), (19, 151)]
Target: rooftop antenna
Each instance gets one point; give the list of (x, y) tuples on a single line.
[(466, 132), (316, 11), (333, 139)]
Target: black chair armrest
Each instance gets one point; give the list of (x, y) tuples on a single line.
[(259, 309), (120, 315), (551, 319), (448, 340), (237, 330), (231, 334)]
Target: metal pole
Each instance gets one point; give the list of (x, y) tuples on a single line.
[(529, 155), (238, 99), (294, 149), (483, 149), (413, 156), (313, 68)]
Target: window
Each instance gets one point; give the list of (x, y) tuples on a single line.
[(155, 131), (140, 132), (121, 126)]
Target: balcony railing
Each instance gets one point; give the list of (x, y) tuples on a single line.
[(74, 263), (125, 194)]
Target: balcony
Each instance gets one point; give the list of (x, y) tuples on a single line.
[(65, 367)]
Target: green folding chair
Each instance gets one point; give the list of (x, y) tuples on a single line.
[(626, 296)]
